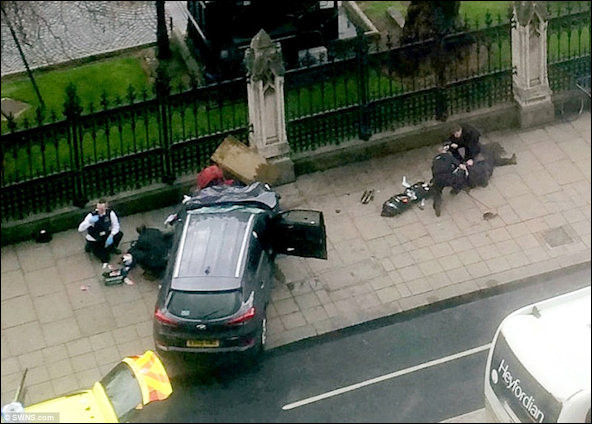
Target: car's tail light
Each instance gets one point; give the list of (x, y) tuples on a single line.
[(163, 319), (242, 318)]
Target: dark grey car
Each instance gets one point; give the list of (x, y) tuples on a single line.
[(218, 282)]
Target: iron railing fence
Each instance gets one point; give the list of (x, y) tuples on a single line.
[(359, 89), (368, 87), (117, 149)]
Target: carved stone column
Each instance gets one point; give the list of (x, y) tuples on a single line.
[(265, 92), (529, 58)]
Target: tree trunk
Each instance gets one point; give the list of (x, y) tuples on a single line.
[(164, 49), (22, 54), (426, 19)]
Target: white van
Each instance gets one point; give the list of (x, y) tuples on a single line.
[(538, 367)]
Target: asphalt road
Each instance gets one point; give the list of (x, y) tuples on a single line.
[(423, 366)]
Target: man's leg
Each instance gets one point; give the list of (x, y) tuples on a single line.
[(114, 248), (437, 195), (117, 239), (98, 249), (499, 161)]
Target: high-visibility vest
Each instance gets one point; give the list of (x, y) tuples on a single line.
[(154, 378)]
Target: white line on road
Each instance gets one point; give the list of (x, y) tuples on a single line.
[(385, 377)]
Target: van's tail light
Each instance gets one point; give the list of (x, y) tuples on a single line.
[(242, 318), (163, 319)]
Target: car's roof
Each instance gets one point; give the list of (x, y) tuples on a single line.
[(212, 250), (84, 406), (256, 193), (557, 332)]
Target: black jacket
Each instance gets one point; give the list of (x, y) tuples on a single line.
[(445, 172), (480, 173), (469, 139)]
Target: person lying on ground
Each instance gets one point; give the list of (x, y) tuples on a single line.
[(481, 170)]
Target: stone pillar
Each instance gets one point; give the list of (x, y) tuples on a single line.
[(529, 59), (265, 92)]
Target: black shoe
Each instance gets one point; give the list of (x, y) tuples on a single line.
[(116, 251), (437, 209)]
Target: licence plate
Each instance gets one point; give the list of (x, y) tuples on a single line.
[(203, 343)]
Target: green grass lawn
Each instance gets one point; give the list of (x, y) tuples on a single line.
[(472, 11), (112, 76)]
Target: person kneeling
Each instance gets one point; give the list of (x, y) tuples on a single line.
[(447, 171), (103, 232)]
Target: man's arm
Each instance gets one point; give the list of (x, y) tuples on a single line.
[(472, 149), (471, 142), (85, 223), (114, 223)]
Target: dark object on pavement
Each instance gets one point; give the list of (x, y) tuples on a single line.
[(367, 196), (413, 194), (489, 215), (43, 237)]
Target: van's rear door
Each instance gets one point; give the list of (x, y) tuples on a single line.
[(300, 233)]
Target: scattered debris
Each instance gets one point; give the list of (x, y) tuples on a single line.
[(84, 287), (367, 196), (489, 215)]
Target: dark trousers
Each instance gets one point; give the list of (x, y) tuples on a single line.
[(499, 161), (437, 196), (494, 152), (100, 251)]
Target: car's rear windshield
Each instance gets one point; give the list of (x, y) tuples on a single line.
[(123, 390), (204, 305)]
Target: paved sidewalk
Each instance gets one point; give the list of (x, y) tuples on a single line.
[(68, 329)]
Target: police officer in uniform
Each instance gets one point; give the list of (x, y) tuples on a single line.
[(103, 232), (447, 171)]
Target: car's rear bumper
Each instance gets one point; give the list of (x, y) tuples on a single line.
[(208, 350)]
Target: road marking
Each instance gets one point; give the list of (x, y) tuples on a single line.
[(385, 377)]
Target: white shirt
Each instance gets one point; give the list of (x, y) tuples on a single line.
[(84, 225)]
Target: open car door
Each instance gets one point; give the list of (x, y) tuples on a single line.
[(300, 233)]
